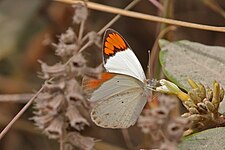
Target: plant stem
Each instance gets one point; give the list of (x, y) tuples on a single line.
[(147, 17), (20, 98), (61, 140), (110, 23), (19, 114), (154, 52), (127, 138), (81, 31), (101, 31)]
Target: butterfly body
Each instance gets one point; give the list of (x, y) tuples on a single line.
[(122, 91)]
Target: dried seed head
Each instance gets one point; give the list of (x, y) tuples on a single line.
[(66, 50), (175, 131), (54, 86), (147, 122), (163, 126), (78, 64), (161, 114), (68, 37), (94, 38), (57, 108), (56, 70), (55, 128), (52, 104), (43, 120), (80, 14), (169, 101), (75, 118)]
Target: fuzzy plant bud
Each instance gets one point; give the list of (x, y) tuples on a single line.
[(203, 105)]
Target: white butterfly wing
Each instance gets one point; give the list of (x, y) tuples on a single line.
[(120, 110), (120, 100), (119, 58), (117, 84)]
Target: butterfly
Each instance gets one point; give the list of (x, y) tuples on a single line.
[(122, 91)]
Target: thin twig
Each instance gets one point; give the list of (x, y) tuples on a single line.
[(20, 125), (154, 52), (157, 4), (127, 138), (62, 138), (110, 23), (19, 114), (138, 15), (19, 98), (81, 31), (101, 31)]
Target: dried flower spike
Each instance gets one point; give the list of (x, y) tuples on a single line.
[(163, 124), (57, 108), (80, 14)]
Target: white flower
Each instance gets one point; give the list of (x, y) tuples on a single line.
[(168, 87), (171, 88)]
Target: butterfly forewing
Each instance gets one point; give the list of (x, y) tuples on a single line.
[(118, 56)]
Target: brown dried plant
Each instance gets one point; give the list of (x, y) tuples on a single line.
[(58, 106), (163, 123)]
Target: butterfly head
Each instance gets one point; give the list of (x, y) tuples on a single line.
[(151, 84)]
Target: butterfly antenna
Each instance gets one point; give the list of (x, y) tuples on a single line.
[(149, 65)]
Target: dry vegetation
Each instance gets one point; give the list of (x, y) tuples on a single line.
[(67, 49)]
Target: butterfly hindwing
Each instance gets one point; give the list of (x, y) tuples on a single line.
[(108, 85), (120, 101), (119, 111)]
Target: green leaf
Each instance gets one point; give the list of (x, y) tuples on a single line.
[(184, 60), (212, 139)]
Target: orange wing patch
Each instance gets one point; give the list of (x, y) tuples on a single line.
[(90, 84), (114, 42)]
